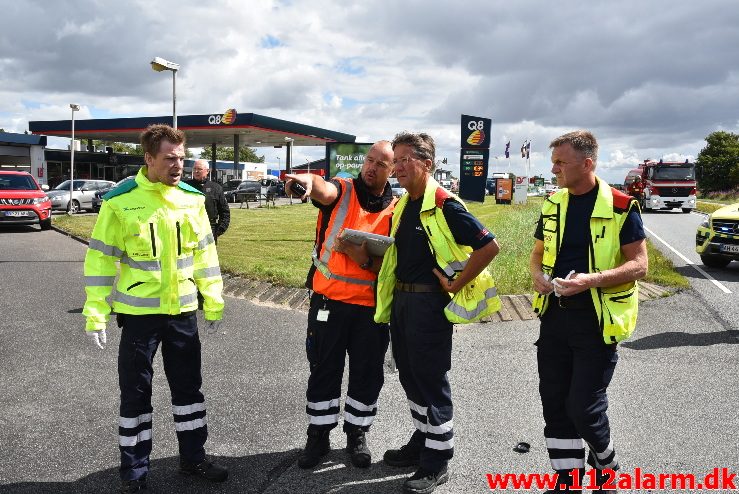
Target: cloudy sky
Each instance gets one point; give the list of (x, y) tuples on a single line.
[(651, 78)]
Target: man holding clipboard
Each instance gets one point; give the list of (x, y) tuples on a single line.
[(342, 305)]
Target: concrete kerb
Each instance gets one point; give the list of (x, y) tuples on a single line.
[(513, 307)]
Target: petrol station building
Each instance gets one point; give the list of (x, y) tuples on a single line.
[(51, 166)]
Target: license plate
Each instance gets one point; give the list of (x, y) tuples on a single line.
[(734, 249), (23, 213)]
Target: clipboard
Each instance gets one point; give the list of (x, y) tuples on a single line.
[(376, 244)]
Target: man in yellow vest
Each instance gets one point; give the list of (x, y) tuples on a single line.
[(590, 249), (342, 305), (439, 249), (157, 228)]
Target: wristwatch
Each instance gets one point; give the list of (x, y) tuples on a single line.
[(367, 265)]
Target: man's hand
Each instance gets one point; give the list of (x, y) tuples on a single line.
[(212, 327), (357, 253), (542, 284), (99, 338), (304, 181), (572, 284), (447, 284)]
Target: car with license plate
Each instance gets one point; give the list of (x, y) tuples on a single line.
[(97, 199), (83, 193), (23, 201), (717, 238)]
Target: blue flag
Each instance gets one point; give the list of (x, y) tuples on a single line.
[(508, 149)]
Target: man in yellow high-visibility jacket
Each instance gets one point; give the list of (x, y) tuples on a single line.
[(589, 251), (157, 228), (440, 248)]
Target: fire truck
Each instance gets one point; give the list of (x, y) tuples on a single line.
[(667, 184)]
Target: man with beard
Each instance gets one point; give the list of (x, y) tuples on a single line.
[(342, 305)]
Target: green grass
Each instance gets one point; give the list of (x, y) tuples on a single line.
[(709, 207), (275, 244)]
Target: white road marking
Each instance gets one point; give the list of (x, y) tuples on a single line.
[(690, 263)]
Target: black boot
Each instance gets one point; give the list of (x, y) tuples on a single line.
[(206, 469), (425, 481), (407, 456), (316, 447), (356, 446), (131, 486)]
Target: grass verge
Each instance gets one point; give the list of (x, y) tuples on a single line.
[(274, 244)]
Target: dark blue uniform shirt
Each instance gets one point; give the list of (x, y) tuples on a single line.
[(415, 259)]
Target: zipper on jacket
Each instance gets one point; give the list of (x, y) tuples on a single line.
[(153, 240), (179, 242)]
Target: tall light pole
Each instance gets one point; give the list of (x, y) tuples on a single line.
[(159, 64), (71, 164)]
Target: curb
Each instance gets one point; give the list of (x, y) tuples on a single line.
[(513, 307)]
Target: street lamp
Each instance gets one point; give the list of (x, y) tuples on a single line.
[(159, 64), (71, 164)]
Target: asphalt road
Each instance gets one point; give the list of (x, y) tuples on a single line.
[(673, 399), (678, 230)]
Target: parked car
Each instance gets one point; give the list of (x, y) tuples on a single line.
[(97, 199), (231, 184), (246, 187), (398, 190), (271, 186), (22, 201), (84, 191), (717, 238)]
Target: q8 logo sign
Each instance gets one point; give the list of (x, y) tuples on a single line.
[(475, 132)]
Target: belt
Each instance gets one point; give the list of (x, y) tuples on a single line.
[(574, 303), (416, 287)]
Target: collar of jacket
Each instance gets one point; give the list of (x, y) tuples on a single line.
[(603, 203), (429, 195), (168, 192)]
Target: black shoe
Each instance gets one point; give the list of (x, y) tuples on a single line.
[(407, 456), (356, 446), (424, 481), (129, 486), (205, 469), (316, 447)]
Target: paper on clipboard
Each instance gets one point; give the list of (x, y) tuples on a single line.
[(376, 244)]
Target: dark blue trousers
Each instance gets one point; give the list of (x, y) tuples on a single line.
[(140, 338), (422, 347), (348, 330), (575, 369)]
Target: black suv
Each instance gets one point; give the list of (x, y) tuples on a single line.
[(245, 188)]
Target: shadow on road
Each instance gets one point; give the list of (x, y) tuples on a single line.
[(729, 274), (267, 472), (677, 338)]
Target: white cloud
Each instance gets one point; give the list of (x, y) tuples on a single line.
[(650, 79)]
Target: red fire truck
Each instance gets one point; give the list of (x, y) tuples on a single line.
[(667, 184)]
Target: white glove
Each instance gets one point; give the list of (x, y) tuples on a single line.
[(212, 327), (557, 285), (98, 338)]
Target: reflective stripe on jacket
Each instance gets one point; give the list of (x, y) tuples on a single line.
[(161, 236), (477, 299), (337, 276), (617, 307)]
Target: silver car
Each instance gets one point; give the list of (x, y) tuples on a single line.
[(83, 193)]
